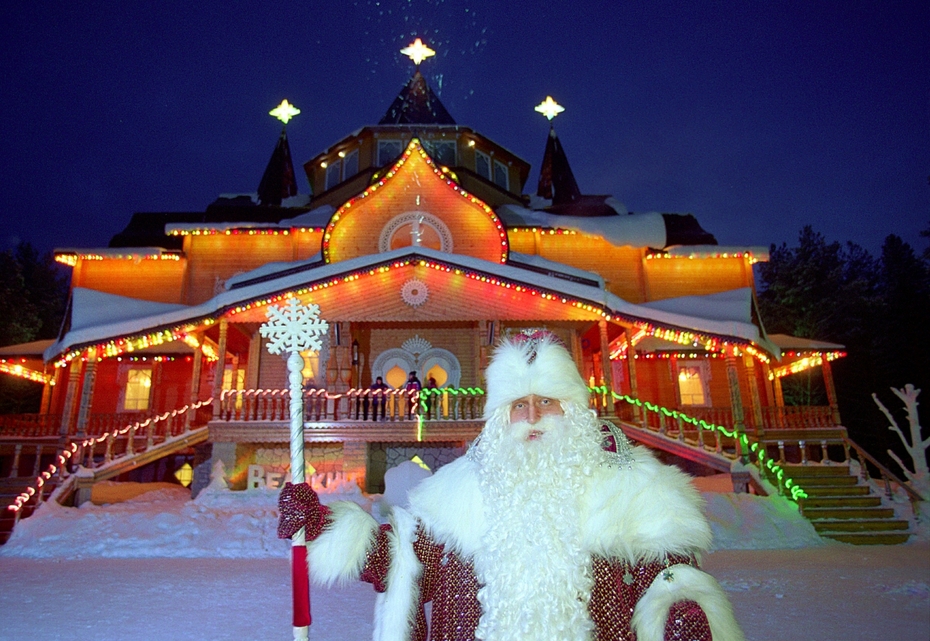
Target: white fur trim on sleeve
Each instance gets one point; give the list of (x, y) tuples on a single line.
[(339, 553), (395, 609), (688, 584)]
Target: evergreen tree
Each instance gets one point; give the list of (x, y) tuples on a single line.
[(877, 309), (33, 295)]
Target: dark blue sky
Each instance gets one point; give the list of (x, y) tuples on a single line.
[(757, 117)]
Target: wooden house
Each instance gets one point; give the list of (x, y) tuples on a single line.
[(421, 245)]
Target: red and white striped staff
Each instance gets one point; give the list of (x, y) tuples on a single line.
[(296, 328)]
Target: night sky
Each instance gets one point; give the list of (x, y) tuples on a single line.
[(757, 117)]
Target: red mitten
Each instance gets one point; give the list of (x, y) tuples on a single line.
[(299, 506), (687, 622)]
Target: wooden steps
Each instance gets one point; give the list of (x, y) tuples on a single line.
[(843, 510)]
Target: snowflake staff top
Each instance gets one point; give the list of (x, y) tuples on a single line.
[(294, 328)]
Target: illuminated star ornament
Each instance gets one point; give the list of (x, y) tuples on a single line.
[(549, 108), (285, 111), (418, 52)]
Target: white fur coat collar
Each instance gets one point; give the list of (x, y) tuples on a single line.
[(636, 512)]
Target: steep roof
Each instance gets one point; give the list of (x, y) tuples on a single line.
[(278, 181), (416, 104), (128, 317), (556, 181)]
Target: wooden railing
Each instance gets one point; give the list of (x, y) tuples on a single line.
[(320, 405), (888, 477), (686, 433), (118, 445), (30, 425), (773, 418)]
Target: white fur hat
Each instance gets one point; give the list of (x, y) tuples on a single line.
[(532, 363)]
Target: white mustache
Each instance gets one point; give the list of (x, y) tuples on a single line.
[(521, 430)]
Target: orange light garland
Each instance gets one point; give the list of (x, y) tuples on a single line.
[(381, 181), (71, 258), (694, 255), (808, 361), (242, 231), (18, 370)]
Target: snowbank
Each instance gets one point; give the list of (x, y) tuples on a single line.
[(220, 523)]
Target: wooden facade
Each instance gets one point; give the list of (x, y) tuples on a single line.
[(415, 269)]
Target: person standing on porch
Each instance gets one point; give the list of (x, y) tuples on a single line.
[(377, 398), (413, 387)]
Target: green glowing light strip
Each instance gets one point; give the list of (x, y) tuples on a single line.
[(765, 463)]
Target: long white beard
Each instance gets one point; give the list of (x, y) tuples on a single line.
[(536, 578)]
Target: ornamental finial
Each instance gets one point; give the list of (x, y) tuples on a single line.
[(417, 51), (284, 112), (549, 108)]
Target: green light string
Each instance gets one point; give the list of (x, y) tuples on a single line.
[(436, 391), (765, 463)]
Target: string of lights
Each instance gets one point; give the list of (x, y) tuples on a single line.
[(383, 180), (73, 448), (764, 462), (20, 371)]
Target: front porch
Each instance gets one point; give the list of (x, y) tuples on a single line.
[(710, 436)]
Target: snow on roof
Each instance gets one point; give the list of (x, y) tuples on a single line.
[(552, 266), (795, 343), (318, 217), (98, 317), (636, 230), (269, 269), (33, 348), (733, 305), (717, 326), (90, 308)]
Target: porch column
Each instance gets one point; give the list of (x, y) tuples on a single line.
[(255, 359), (779, 396), (606, 374), (831, 390), (480, 351), (768, 381), (736, 400), (756, 401), (70, 404), (220, 368), (196, 370), (577, 351), (87, 392), (46, 397), (673, 376), (631, 368)]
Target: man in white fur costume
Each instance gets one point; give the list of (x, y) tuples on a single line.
[(551, 528)]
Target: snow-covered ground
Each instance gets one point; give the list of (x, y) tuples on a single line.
[(160, 566)]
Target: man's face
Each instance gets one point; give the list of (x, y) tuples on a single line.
[(530, 409)]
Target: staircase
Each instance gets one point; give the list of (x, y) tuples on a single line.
[(842, 509), (10, 488)]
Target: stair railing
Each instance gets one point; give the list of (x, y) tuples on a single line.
[(888, 477)]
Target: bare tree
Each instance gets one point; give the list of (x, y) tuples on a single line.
[(916, 447)]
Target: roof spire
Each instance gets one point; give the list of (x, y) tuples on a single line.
[(418, 52), (416, 104), (278, 181), (556, 181)]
